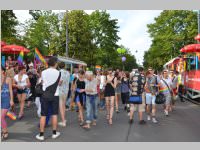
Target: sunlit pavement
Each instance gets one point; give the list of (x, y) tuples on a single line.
[(182, 125)]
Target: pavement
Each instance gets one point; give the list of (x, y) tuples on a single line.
[(182, 125)]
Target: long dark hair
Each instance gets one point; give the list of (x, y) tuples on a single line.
[(4, 70)]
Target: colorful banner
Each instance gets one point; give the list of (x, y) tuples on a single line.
[(39, 57), (20, 58)]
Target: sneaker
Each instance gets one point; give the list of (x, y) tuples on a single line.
[(142, 122), (117, 111), (40, 138), (166, 112), (129, 114), (128, 109), (154, 120), (62, 124), (148, 118), (54, 136)]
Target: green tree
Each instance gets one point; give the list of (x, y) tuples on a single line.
[(44, 33), (80, 38), (36, 14), (170, 32), (8, 26), (104, 31)]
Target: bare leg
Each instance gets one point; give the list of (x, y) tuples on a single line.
[(117, 101), (153, 110), (111, 109), (62, 108), (131, 111), (54, 122), (3, 123), (148, 110), (23, 102), (107, 107), (141, 116), (42, 123), (80, 111), (19, 96)]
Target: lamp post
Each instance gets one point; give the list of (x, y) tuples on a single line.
[(67, 33), (198, 23)]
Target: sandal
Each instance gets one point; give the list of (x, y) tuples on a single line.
[(86, 127), (20, 117), (81, 123), (94, 123), (4, 135)]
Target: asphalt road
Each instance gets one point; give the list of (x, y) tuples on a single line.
[(182, 125)]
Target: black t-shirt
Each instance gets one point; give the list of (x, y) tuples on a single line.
[(80, 84)]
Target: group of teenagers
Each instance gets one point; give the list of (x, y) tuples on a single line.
[(89, 91)]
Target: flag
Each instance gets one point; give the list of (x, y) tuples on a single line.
[(184, 62), (39, 57), (20, 58), (198, 55)]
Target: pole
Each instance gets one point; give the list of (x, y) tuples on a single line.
[(67, 33), (199, 21)]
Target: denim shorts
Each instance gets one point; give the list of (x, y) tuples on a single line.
[(20, 91), (150, 99)]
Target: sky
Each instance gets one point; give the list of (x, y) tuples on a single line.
[(132, 28)]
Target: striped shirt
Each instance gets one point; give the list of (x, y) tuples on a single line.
[(163, 87)]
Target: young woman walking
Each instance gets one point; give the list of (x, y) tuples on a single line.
[(117, 91), (63, 92), (109, 95), (21, 82), (125, 89), (6, 101), (80, 94)]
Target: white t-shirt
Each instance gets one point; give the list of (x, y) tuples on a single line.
[(174, 82), (23, 81), (75, 75), (91, 85), (102, 81), (49, 77)]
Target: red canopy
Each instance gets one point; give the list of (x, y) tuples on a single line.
[(192, 48), (3, 43), (197, 37), (14, 49)]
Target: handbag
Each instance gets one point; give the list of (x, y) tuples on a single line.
[(135, 99), (38, 90), (11, 114), (160, 99)]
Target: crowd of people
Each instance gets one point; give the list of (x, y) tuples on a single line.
[(55, 90)]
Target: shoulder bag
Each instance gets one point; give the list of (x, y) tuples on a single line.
[(160, 98), (50, 91)]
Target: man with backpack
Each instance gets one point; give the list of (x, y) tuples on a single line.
[(137, 97)]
